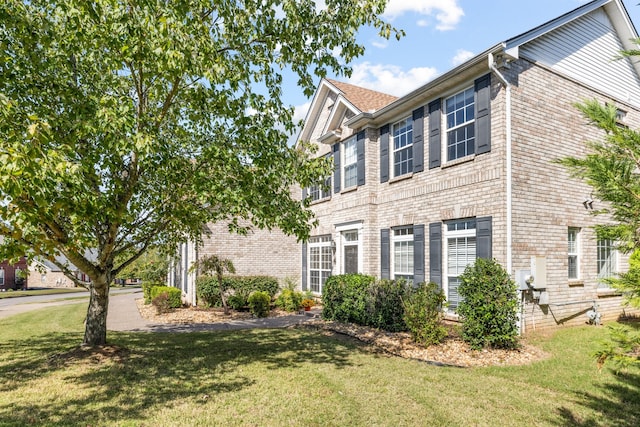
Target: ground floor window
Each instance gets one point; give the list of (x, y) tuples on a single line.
[(350, 249), (1, 276), (320, 262), (461, 251), (573, 245), (606, 259), (402, 244)]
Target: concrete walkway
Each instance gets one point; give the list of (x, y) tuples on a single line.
[(124, 316)]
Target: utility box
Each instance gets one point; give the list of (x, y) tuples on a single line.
[(521, 279), (539, 272)]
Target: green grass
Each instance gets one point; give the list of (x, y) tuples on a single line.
[(290, 378), (29, 292)]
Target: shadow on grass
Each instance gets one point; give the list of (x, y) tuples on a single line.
[(150, 370), (618, 404)]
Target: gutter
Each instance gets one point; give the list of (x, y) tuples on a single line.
[(509, 201)]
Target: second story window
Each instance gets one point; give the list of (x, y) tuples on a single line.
[(402, 134), (350, 168), (459, 110)]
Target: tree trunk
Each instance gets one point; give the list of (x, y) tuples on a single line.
[(222, 295), (95, 331)]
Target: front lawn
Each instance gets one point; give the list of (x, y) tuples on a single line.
[(290, 377), (32, 292)]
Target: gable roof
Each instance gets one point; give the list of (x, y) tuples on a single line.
[(504, 52), (361, 98)]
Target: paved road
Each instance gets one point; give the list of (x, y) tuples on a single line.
[(124, 315)]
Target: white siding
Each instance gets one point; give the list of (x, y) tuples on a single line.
[(585, 50)]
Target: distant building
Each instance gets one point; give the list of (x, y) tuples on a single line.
[(13, 276)]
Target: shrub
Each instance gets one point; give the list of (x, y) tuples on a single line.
[(259, 303), (384, 309), (173, 298), (344, 298), (208, 291), (289, 300), (237, 302), (146, 290), (161, 303), (489, 306), (244, 285), (423, 314)]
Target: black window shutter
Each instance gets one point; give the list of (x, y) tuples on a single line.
[(304, 267), (483, 114), (360, 151), (384, 153), (385, 254), (336, 168), (418, 139), (435, 253), (418, 254), (483, 238), (435, 142)]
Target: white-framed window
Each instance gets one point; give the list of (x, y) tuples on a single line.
[(460, 126), (460, 252), (350, 251), (402, 244), (320, 262), (402, 140), (573, 252), (607, 258), (319, 192), (350, 162), (1, 276)]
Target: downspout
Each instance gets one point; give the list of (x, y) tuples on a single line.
[(509, 173)]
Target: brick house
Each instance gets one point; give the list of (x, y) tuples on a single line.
[(462, 167), (10, 277)]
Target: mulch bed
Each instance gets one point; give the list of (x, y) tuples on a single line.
[(452, 352)]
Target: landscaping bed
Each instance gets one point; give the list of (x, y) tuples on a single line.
[(452, 352)]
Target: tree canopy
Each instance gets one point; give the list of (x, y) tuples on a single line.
[(126, 124)]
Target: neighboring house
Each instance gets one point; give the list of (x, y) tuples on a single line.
[(462, 167), (11, 277), (260, 252), (46, 274)]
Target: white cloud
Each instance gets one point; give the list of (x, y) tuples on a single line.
[(461, 56), (390, 79), (447, 12), (380, 44), (300, 111)]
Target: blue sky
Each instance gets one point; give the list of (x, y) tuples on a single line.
[(439, 35)]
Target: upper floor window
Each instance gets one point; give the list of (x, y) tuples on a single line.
[(573, 237), (459, 110), (607, 260), (318, 192), (350, 168), (402, 133), (403, 253)]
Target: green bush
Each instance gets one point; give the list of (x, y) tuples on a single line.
[(237, 302), (489, 306), (344, 298), (259, 303), (161, 303), (289, 300), (208, 291), (146, 290), (384, 304), (244, 285), (423, 314), (174, 295)]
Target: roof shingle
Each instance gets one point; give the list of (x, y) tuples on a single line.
[(365, 100)]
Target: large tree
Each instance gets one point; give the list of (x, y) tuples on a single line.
[(131, 123), (612, 168)]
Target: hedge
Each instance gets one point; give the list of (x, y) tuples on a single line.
[(174, 295)]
